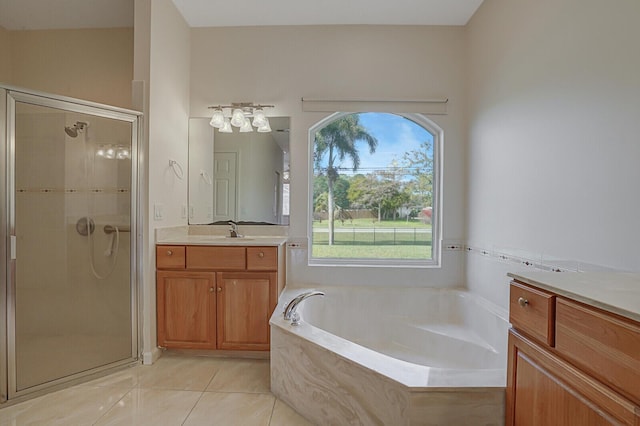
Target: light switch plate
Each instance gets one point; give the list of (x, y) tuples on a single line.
[(158, 212)]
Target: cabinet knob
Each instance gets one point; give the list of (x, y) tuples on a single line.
[(522, 302), (219, 289), (210, 289), (261, 254), (169, 252)]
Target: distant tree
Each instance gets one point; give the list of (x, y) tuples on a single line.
[(378, 192), (320, 203), (358, 187), (419, 164), (340, 191)]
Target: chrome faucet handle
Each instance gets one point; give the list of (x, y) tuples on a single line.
[(295, 318)]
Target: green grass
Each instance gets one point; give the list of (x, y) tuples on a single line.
[(371, 252), (373, 240), (379, 237)]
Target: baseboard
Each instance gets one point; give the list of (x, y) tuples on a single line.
[(149, 357)]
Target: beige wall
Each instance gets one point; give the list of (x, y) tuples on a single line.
[(553, 142), (280, 65), (5, 61), (95, 65), (162, 68)]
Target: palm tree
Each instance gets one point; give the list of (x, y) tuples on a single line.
[(335, 142)]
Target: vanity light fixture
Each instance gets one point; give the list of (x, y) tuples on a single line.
[(239, 115)]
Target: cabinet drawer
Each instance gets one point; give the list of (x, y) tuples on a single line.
[(215, 257), (606, 346), (262, 258), (170, 257), (532, 311)]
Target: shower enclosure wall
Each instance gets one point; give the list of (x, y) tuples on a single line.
[(70, 226)]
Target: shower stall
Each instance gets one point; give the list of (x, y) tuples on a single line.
[(70, 222)]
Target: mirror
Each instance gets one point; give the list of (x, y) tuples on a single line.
[(238, 176)]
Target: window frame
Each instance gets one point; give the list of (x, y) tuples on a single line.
[(436, 221)]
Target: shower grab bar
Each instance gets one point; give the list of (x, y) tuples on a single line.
[(109, 229)]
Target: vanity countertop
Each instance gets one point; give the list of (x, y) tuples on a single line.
[(616, 292), (221, 240)]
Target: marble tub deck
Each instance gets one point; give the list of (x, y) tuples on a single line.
[(331, 389)]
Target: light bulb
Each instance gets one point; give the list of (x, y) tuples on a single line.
[(246, 126), (217, 119), (266, 128), (259, 119), (226, 127), (122, 153), (237, 118), (110, 153)]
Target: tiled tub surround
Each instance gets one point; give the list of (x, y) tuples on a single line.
[(391, 356)]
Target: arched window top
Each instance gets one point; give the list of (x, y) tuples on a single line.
[(375, 189)]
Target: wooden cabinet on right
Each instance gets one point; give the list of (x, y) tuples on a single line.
[(569, 363)]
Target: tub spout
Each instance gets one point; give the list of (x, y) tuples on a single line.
[(290, 312)]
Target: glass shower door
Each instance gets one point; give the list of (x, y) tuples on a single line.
[(73, 298)]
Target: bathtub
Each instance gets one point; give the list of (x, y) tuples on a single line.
[(391, 356)]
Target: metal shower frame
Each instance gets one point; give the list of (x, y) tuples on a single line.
[(9, 95)]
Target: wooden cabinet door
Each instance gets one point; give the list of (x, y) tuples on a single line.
[(245, 304), (542, 389), (543, 400), (186, 309)]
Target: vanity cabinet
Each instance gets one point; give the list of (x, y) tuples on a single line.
[(570, 363), (186, 309), (216, 297), (244, 308)]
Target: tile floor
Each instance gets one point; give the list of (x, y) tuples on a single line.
[(176, 390)]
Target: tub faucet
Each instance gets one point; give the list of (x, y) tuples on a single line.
[(290, 312)]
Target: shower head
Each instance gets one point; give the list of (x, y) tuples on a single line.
[(71, 131), (79, 127)]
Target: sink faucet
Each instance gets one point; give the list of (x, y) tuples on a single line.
[(290, 312), (233, 231)]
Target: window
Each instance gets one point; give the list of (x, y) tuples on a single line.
[(375, 189)]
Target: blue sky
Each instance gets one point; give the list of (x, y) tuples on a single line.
[(395, 134)]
